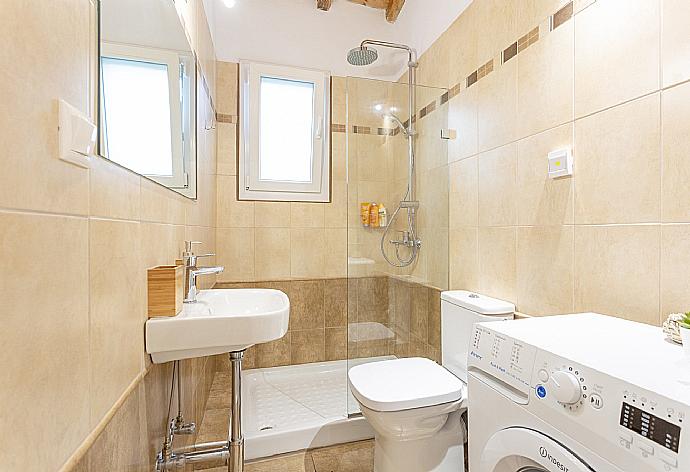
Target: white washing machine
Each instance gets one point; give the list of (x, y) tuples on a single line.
[(577, 393)]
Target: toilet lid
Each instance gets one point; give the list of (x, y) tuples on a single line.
[(403, 384)]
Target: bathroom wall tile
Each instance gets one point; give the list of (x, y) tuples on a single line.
[(602, 253), (115, 192), (117, 281), (306, 303), (463, 118), (231, 212), (297, 462), (336, 211), (307, 252), (497, 186), (272, 248), (434, 319), (464, 193), (675, 41), (464, 262), (497, 262), (534, 12), (612, 64), (336, 343), (160, 204), (46, 315), (227, 148), (497, 27), (274, 353), (675, 119), (119, 446), (545, 270), (607, 188), (33, 176), (462, 61), (497, 107), (541, 200), (161, 244), (307, 215), (350, 457), (372, 299), (339, 155), (419, 322), (236, 253), (157, 384), (335, 302), (272, 214), (307, 346), (335, 261), (226, 77), (675, 282), (545, 82)]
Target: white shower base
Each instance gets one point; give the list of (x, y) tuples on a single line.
[(300, 407)]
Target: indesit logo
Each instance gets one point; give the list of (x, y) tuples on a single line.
[(545, 454)]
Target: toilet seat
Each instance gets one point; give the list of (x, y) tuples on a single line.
[(404, 384)]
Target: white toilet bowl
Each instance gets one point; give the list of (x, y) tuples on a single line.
[(414, 406)]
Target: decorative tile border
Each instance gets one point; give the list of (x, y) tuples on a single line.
[(226, 118)]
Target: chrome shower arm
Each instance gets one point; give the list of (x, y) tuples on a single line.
[(411, 52)]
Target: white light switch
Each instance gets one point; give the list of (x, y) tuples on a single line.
[(560, 163), (76, 135)]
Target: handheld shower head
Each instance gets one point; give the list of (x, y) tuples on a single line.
[(398, 121), (362, 56)]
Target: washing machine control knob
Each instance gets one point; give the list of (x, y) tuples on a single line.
[(566, 387)]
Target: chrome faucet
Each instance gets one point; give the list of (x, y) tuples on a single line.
[(192, 271)]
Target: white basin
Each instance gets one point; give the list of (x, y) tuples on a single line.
[(220, 321)]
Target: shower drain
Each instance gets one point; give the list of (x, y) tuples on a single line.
[(265, 428)]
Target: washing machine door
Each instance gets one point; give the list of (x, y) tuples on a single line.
[(525, 450)]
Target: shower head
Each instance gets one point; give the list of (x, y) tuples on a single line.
[(398, 122), (362, 56)]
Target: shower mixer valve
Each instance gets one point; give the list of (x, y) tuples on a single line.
[(407, 241)]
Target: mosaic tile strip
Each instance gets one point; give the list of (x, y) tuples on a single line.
[(338, 128), (562, 15), (226, 118), (528, 39), (510, 52)]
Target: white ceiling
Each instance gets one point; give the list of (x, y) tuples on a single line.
[(294, 32)]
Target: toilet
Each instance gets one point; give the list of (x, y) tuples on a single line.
[(415, 405)]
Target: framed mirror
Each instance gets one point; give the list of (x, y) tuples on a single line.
[(147, 92)]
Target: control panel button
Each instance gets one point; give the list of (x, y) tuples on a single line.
[(566, 387), (596, 401), (543, 375), (541, 391), (646, 448), (668, 459)]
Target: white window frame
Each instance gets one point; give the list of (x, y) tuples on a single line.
[(181, 132), (250, 186)]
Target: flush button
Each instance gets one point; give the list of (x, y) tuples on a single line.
[(646, 448), (543, 375), (668, 459)]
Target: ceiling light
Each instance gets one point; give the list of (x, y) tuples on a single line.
[(229, 3)]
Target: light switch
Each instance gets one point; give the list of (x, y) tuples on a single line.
[(560, 163), (76, 135)]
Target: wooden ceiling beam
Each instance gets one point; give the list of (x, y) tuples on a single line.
[(324, 5), (393, 10)]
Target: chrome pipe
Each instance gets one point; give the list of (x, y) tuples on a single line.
[(236, 461)]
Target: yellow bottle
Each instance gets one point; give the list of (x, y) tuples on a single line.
[(364, 212), (374, 215)]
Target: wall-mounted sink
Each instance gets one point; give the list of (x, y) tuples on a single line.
[(220, 321)]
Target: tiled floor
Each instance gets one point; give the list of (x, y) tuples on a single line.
[(351, 457)]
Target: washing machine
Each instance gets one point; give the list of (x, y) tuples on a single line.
[(577, 393)]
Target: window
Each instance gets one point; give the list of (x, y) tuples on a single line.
[(284, 145), (144, 104)]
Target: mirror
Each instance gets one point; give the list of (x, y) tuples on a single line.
[(147, 92)]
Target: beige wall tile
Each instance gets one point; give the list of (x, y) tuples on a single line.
[(463, 118), (541, 200), (227, 148), (545, 270), (497, 186), (499, 17), (307, 252), (675, 41), (606, 34), (335, 302), (497, 262), (464, 259), (115, 192), (497, 106), (272, 253), (307, 215), (46, 355), (272, 214), (464, 193), (336, 343), (545, 82), (675, 119), (161, 205), (227, 76), (617, 271), (531, 13), (236, 253), (617, 164), (307, 346), (274, 353), (117, 280), (675, 281), (336, 212), (231, 212), (335, 261)]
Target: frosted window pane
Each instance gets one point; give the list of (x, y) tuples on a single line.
[(136, 106), (286, 130)]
